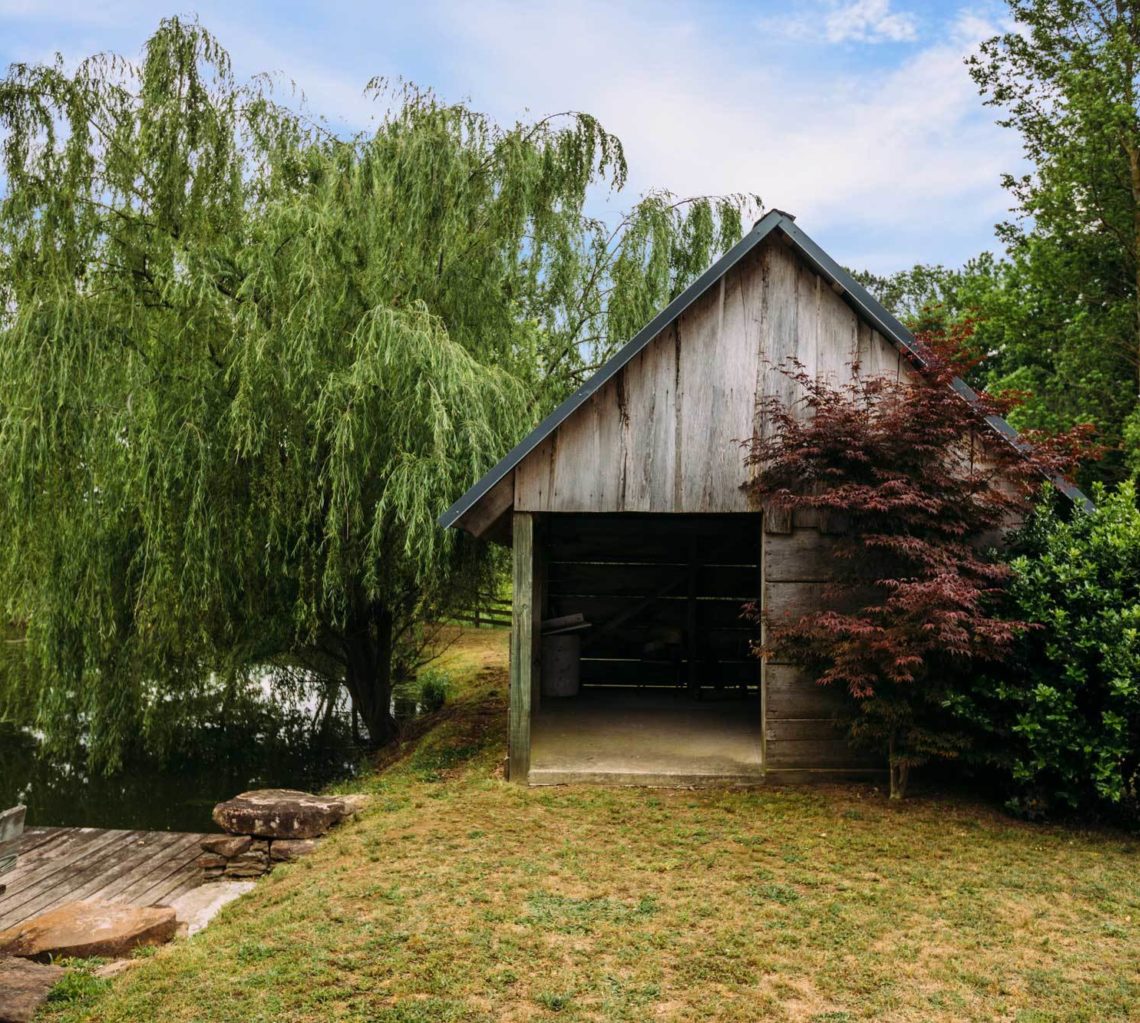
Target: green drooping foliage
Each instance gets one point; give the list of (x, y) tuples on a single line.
[(1063, 722), (244, 364)]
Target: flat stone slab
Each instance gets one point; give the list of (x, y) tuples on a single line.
[(199, 906), (24, 987), (281, 813), (226, 845), (89, 928)]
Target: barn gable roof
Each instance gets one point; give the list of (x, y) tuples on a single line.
[(850, 290)]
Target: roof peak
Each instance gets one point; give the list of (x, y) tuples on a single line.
[(862, 303)]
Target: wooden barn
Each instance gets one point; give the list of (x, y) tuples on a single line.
[(634, 546)]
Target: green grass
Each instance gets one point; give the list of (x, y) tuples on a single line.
[(460, 897)]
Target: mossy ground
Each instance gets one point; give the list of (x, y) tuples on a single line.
[(460, 897)]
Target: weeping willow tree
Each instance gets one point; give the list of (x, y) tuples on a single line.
[(245, 363)]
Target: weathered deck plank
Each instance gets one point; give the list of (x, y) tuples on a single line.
[(136, 868)]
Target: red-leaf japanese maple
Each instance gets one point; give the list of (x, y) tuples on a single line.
[(914, 484)]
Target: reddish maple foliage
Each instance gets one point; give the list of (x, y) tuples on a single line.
[(915, 484)]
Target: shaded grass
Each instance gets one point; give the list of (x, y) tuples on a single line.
[(460, 897)]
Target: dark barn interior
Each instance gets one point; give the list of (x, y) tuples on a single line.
[(663, 596), (668, 683)]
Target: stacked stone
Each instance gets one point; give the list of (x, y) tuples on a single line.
[(243, 856), (269, 826)]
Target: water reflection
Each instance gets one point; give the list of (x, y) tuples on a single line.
[(274, 747)]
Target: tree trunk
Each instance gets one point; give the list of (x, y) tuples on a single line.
[(898, 770), (368, 671), (900, 774)]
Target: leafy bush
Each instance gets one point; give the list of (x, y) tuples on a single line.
[(1065, 721), (435, 686)]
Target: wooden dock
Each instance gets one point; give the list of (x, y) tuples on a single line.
[(136, 868)]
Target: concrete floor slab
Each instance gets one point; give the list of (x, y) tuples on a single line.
[(646, 738)]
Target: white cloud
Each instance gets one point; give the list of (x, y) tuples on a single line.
[(845, 21), (904, 154), (869, 21)]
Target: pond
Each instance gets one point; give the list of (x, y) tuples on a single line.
[(173, 795), (276, 735)]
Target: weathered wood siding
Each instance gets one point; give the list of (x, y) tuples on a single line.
[(664, 434), (805, 724)]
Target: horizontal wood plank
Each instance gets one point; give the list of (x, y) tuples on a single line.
[(803, 555), (815, 752), (657, 673), (827, 728), (645, 579), (731, 644), (792, 693), (670, 611)]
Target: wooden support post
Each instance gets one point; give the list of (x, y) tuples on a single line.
[(763, 603), (11, 829), (522, 646)]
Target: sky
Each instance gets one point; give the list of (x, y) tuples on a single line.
[(857, 116)]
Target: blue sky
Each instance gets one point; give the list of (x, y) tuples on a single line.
[(856, 115)]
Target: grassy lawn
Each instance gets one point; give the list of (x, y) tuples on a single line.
[(460, 897)]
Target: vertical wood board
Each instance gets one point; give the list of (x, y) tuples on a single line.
[(664, 434), (522, 645)]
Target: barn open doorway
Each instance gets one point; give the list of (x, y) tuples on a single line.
[(666, 688)]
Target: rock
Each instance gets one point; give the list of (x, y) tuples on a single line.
[(226, 845), (285, 849), (245, 871), (211, 861), (253, 863), (115, 967), (199, 906), (24, 987), (355, 803), (89, 928), (280, 813)]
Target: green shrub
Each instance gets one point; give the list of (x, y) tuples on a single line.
[(435, 686), (1065, 720)]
